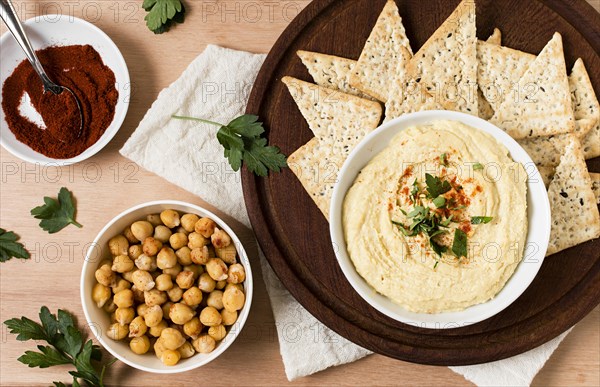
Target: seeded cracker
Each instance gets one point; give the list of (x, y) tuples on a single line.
[(543, 105), (330, 71), (591, 143), (376, 67), (447, 63), (485, 109), (546, 174), (596, 185), (585, 104), (546, 151), (339, 122), (575, 217)]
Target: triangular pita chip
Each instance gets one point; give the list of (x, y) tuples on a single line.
[(447, 63), (485, 109), (585, 104), (591, 143), (330, 71), (499, 70), (338, 120), (596, 185), (575, 216), (377, 64), (542, 105), (546, 151)]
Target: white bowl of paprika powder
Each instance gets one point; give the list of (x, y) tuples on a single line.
[(75, 54)]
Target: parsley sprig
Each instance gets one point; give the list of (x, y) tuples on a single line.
[(243, 142), (56, 214), (65, 346), (162, 14), (10, 248)]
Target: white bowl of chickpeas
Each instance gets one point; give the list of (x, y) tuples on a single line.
[(166, 287)]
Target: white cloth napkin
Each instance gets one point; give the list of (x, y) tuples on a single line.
[(216, 86)]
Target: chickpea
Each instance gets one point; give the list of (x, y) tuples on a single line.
[(221, 284), (204, 344), (162, 233), (233, 299), (154, 297), (157, 329), (142, 309), (153, 317), (105, 276), (228, 317), (117, 331), (218, 332), (188, 221), (215, 299), (205, 227), (175, 293), (196, 240), (185, 279), (164, 282), (129, 235), (118, 245), (192, 297), (196, 269), (166, 307), (113, 318), (210, 316), (122, 284), (170, 357), (140, 345), (239, 287), (135, 251), (220, 239), (137, 327), (181, 230), (124, 299), (124, 315), (178, 240), (217, 269), (193, 327), (172, 338), (110, 306), (151, 246), (170, 218), (142, 230), (159, 348), (122, 264), (236, 274), (173, 271), (186, 350), (143, 280), (184, 256), (101, 294), (227, 254), (166, 258), (206, 283), (200, 255), (144, 262), (181, 313), (154, 219)]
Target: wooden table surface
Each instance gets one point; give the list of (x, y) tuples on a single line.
[(107, 184)]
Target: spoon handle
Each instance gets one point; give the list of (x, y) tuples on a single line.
[(10, 18)]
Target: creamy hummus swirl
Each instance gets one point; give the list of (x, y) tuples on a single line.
[(485, 182)]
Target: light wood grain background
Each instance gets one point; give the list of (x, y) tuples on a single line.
[(108, 184)]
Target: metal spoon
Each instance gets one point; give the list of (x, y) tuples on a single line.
[(10, 18)]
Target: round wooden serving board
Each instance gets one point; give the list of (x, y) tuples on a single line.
[(295, 236)]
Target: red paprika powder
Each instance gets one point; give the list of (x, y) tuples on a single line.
[(81, 69)]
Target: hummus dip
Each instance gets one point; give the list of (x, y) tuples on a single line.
[(437, 221)]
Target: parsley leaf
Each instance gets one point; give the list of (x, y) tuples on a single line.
[(444, 160), (10, 248), (162, 14), (435, 186), (481, 219), (477, 166), (65, 346), (243, 142), (439, 202), (459, 246), (436, 247), (56, 215)]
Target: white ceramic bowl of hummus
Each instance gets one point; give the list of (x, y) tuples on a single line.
[(425, 289)]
